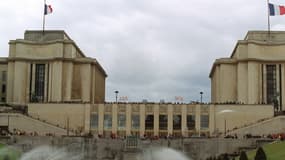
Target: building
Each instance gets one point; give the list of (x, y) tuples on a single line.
[(47, 67), (48, 73), (254, 73)]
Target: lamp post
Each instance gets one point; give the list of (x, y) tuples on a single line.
[(116, 92), (201, 97), (224, 112)]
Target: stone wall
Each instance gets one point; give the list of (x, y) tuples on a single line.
[(111, 149), (28, 124)]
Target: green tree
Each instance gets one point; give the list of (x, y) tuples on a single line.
[(260, 154), (226, 157), (243, 156)]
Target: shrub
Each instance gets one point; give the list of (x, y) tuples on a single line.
[(243, 156), (260, 154)]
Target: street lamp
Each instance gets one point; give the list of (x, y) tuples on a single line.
[(225, 111), (116, 92), (201, 97)]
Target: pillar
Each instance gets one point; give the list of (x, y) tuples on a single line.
[(170, 119), (68, 71), (114, 118), (156, 120), (142, 119), (85, 73), (197, 118), (128, 119), (101, 119), (184, 120), (87, 120)]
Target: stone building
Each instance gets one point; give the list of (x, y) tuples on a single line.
[(50, 75), (254, 73), (50, 67)]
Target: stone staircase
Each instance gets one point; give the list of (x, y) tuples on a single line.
[(28, 124), (273, 125)]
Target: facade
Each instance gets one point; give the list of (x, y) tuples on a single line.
[(48, 73), (49, 67), (254, 73), (149, 119)]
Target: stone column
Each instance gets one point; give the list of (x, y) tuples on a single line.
[(156, 119), (10, 82), (68, 71), (142, 119), (28, 83), (184, 128), (46, 82), (85, 71), (20, 79), (253, 76), (101, 119), (170, 119), (128, 119), (283, 86), (212, 121), (56, 82), (242, 82), (197, 118), (87, 119), (114, 118)]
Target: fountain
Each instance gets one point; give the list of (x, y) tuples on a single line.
[(52, 153), (161, 154), (49, 153)]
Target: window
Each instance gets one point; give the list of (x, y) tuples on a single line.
[(40, 82), (204, 121), (3, 88), (121, 121), (4, 76), (107, 121), (271, 83), (94, 121), (177, 122), (163, 122), (135, 121), (149, 122), (191, 122)]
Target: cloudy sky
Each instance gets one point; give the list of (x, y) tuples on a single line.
[(150, 49)]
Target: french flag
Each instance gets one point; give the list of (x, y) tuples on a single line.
[(48, 9), (275, 10)]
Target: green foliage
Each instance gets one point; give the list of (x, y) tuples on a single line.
[(260, 154), (226, 157), (8, 154), (243, 156)]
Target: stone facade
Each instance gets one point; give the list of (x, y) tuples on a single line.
[(150, 119), (254, 73), (50, 67)]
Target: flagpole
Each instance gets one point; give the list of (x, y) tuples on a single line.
[(44, 17), (268, 18)]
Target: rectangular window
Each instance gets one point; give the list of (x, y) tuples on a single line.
[(149, 122), (39, 83), (162, 122), (204, 121), (176, 122), (135, 122), (94, 121), (271, 83), (3, 88), (4, 76), (191, 122), (107, 121), (121, 121)]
